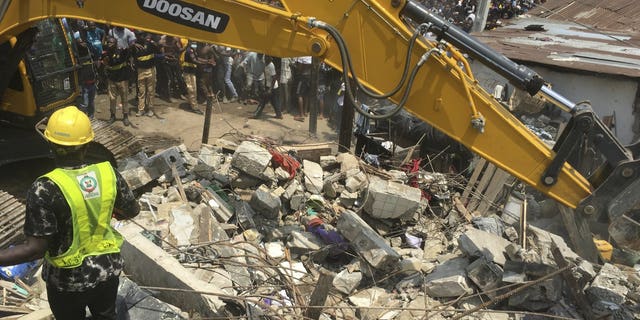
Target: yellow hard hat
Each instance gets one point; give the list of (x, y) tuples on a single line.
[(69, 127)]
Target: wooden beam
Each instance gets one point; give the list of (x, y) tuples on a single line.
[(319, 295)]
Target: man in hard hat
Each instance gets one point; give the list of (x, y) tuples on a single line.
[(67, 222)]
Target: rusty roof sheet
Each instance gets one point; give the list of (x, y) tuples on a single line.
[(567, 45), (620, 15)]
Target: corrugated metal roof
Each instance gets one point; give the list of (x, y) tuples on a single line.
[(606, 15), (567, 45)]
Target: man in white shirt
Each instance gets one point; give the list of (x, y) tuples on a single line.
[(271, 89)]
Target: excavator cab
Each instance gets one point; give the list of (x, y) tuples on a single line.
[(39, 68)]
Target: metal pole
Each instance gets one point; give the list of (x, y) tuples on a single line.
[(346, 125), (313, 96), (207, 120)]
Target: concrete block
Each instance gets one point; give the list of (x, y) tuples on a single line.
[(274, 250), (149, 265), (244, 181), (486, 275), (478, 243), (297, 201), (346, 281), (303, 242), (283, 232), (244, 214), (136, 177), (251, 158), (329, 190), (514, 272), (348, 162), (538, 297), (356, 182), (369, 297), (182, 225), (211, 156), (295, 270), (313, 174), (218, 277), (265, 203), (348, 199), (390, 200), (328, 161), (293, 187), (281, 174), (160, 164), (609, 285), (371, 246), (448, 279)]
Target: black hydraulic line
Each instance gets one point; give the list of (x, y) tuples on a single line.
[(521, 76), (348, 72)]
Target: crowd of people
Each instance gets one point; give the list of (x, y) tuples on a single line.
[(463, 12), (119, 61)]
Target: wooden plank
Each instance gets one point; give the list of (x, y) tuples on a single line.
[(461, 208), (311, 152), (319, 295), (479, 190), (579, 234), (494, 188), (472, 181)]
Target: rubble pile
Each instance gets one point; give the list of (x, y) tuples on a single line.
[(326, 236)]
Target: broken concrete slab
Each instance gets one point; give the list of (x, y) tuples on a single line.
[(346, 281), (348, 162), (608, 285), (155, 268), (368, 243), (251, 158), (390, 200), (136, 177), (478, 243), (448, 279), (313, 175), (348, 199), (356, 182), (212, 156), (486, 275), (264, 202), (303, 242), (182, 225)]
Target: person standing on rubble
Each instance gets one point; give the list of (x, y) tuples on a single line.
[(67, 221)]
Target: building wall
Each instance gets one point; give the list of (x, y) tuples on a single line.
[(606, 94)]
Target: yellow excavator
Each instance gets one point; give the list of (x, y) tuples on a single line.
[(381, 45)]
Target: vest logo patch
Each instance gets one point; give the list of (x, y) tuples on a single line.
[(89, 185)]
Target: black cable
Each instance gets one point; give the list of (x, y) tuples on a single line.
[(347, 67)]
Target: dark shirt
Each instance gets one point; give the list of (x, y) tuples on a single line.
[(190, 64), (116, 61), (149, 48), (48, 215)]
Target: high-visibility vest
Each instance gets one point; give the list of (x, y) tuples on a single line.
[(90, 193)]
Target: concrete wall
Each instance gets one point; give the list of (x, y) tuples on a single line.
[(606, 94)]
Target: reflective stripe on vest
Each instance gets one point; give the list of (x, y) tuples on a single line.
[(145, 58), (189, 64), (90, 193), (116, 67), (87, 63)]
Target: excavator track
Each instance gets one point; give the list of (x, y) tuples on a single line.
[(17, 178)]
